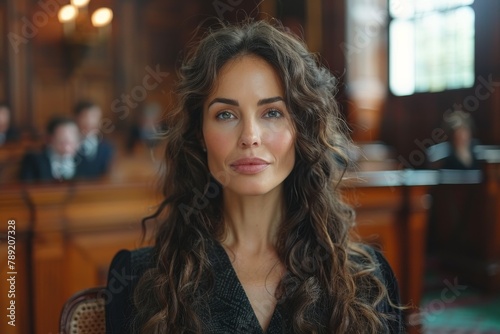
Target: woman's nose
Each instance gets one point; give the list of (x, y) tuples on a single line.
[(250, 134)]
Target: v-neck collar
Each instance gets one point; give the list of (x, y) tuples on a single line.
[(233, 303)]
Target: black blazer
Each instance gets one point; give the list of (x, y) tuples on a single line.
[(35, 166), (11, 135), (229, 310), (96, 166)]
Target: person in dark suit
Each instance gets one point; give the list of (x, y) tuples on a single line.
[(146, 128), (95, 154), (8, 133), (56, 161)]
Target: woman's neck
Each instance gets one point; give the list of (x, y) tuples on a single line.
[(251, 222)]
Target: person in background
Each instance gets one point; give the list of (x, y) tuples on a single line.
[(146, 127), (56, 161), (95, 154), (252, 235), (8, 132), (461, 155)]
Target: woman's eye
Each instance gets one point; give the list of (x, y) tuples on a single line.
[(273, 113), (225, 115)]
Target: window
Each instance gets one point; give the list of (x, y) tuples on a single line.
[(431, 45)]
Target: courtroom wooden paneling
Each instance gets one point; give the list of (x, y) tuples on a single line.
[(394, 218), (492, 247), (466, 229), (77, 262), (10, 160), (13, 207), (377, 213), (21, 292), (67, 236), (415, 234), (78, 229), (392, 208), (3, 53)]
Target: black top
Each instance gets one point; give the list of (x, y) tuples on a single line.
[(9, 136), (229, 310), (453, 162), (97, 165), (35, 166)]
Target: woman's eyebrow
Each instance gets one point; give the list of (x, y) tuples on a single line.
[(269, 100), (224, 100), (236, 104)]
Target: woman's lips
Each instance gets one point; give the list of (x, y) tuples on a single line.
[(249, 165)]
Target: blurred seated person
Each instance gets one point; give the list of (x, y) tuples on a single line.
[(145, 128), (458, 151), (459, 125), (56, 161), (95, 154), (8, 133)]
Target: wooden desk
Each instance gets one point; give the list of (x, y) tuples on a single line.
[(67, 236), (391, 209), (13, 207), (466, 229)]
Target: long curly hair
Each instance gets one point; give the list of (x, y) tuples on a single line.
[(314, 241)]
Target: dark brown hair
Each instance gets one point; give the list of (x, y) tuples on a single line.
[(82, 106)]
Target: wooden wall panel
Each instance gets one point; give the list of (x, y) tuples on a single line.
[(466, 229), (3, 52), (13, 207), (78, 229), (50, 98), (49, 292)]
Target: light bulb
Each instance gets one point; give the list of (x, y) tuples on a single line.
[(101, 17), (67, 13), (80, 3)]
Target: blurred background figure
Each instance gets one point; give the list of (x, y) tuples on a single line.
[(461, 154), (459, 198), (56, 161), (458, 152), (146, 128), (8, 133), (95, 154)]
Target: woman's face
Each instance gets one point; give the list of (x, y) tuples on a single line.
[(247, 128)]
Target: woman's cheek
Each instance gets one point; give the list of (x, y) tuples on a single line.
[(279, 134)]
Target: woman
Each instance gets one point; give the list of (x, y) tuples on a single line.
[(253, 236)]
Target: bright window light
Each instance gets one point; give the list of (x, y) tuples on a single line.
[(431, 45)]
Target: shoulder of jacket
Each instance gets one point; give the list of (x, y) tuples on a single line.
[(141, 259), (377, 259)]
